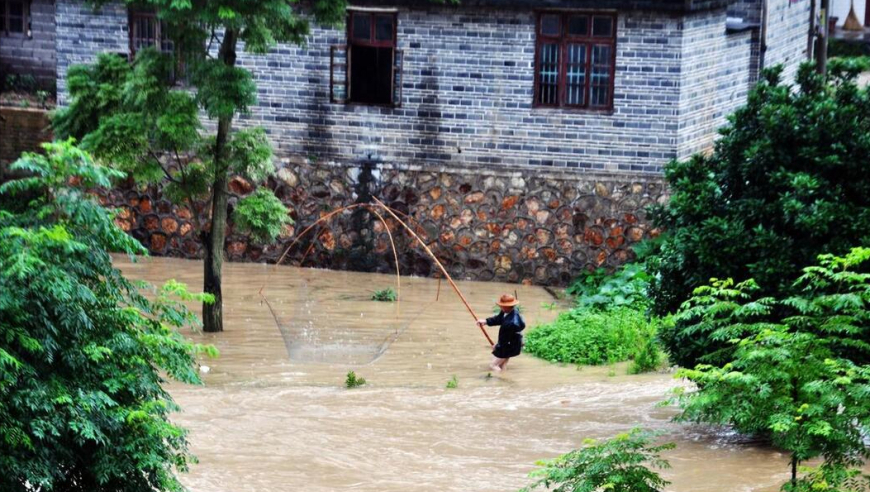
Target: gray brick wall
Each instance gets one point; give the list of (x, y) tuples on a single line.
[(34, 54), (717, 72), (468, 86), (787, 31), (83, 33)]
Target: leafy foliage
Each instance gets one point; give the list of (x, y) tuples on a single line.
[(588, 336), (353, 381), (647, 355), (129, 116), (83, 355), (618, 465), (787, 181), (832, 302), (385, 295), (785, 369), (262, 215), (453, 383), (626, 286)]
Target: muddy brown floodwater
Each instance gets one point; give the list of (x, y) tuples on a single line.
[(274, 415)]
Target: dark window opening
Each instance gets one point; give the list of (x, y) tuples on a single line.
[(147, 30), (372, 57), (370, 78), (575, 60), (15, 17)]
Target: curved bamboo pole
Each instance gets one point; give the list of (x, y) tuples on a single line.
[(326, 218), (437, 262), (395, 256), (410, 231)]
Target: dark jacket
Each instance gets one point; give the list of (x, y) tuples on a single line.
[(510, 341)]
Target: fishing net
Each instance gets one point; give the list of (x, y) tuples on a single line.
[(326, 320)]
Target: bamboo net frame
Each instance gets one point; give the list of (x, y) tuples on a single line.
[(372, 207)]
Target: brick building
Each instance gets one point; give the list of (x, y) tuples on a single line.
[(499, 81), (526, 135)]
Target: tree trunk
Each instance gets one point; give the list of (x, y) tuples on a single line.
[(212, 314)]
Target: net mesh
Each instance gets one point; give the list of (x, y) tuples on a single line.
[(322, 322)]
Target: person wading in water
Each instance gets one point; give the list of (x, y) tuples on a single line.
[(510, 341)]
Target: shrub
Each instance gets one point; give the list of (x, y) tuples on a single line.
[(353, 381), (588, 336), (787, 181), (262, 215), (385, 295), (626, 286), (83, 356), (453, 383), (788, 367), (619, 465), (647, 355)]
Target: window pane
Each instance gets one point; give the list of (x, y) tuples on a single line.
[(551, 25), (16, 9), (600, 82), (578, 26), (362, 27), (16, 24), (548, 75), (602, 26), (575, 75), (384, 27)]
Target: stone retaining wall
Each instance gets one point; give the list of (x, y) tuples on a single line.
[(21, 130), (532, 225)]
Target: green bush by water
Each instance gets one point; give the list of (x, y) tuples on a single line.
[(590, 336), (621, 464), (600, 289)]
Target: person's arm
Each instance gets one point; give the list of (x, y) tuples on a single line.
[(495, 320)]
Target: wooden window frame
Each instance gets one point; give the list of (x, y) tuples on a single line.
[(563, 40), (25, 19), (178, 70), (372, 42), (132, 17)]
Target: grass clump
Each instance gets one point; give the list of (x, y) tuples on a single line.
[(647, 355), (385, 295), (589, 336), (453, 383), (353, 381)]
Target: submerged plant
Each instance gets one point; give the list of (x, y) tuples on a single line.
[(385, 295), (353, 381), (619, 464), (453, 383)]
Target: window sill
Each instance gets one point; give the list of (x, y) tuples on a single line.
[(734, 27), (368, 105), (15, 35), (569, 109)]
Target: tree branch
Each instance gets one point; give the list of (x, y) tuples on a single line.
[(162, 168)]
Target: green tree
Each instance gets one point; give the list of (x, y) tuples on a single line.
[(130, 117), (83, 355), (787, 181), (619, 465), (790, 377)]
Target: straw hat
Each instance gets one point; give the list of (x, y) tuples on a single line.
[(507, 300)]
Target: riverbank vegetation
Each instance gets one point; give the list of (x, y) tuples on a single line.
[(83, 356), (763, 298), (609, 323), (621, 464)]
